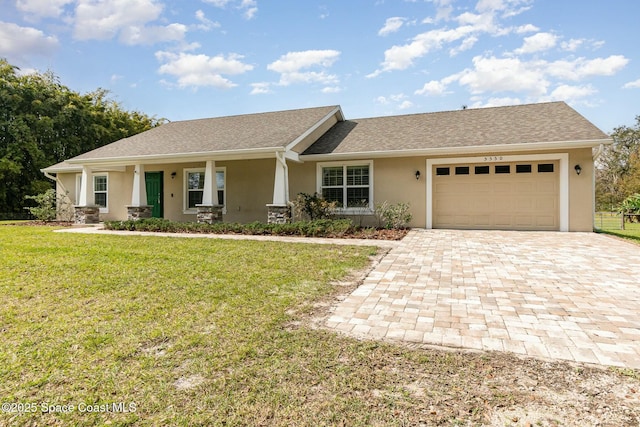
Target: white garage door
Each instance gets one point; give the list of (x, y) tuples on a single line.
[(509, 196)]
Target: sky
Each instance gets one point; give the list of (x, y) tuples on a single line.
[(183, 60)]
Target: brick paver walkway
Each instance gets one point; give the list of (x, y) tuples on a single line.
[(571, 296)]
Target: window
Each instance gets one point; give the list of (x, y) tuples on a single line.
[(462, 170), (442, 171), (482, 170), (503, 169), (545, 167), (523, 168), (194, 179), (349, 185), (100, 191)]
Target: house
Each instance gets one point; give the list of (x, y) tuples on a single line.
[(524, 167)]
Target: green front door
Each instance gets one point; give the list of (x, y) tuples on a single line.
[(153, 181)]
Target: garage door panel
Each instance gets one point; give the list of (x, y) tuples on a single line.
[(525, 201)]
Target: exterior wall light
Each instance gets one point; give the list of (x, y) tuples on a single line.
[(578, 169), (173, 175), (417, 175)]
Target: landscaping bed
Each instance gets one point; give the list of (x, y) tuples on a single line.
[(330, 228)]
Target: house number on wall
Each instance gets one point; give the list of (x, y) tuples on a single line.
[(492, 158)]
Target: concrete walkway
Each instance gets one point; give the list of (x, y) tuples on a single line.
[(569, 296), (289, 239)]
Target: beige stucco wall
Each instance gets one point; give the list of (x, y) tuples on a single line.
[(581, 190), (249, 187), (395, 182)]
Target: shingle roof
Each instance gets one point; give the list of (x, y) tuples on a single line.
[(243, 132), (532, 123)]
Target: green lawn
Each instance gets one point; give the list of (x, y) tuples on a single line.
[(210, 332), (611, 223)]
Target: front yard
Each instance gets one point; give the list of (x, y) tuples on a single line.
[(130, 330)]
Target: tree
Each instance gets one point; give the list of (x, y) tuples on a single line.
[(43, 122), (618, 167)]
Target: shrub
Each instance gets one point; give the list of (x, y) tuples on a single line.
[(45, 209), (631, 205), (313, 206), (317, 228), (393, 216)]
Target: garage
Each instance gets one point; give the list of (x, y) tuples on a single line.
[(521, 195)]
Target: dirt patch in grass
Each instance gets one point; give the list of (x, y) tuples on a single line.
[(436, 386)]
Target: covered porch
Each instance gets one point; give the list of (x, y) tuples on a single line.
[(203, 190)]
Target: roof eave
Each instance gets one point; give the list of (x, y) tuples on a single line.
[(456, 151), (241, 154)]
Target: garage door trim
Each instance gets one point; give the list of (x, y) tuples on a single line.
[(562, 158)]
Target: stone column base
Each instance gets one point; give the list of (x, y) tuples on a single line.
[(86, 214), (138, 212), (208, 214), (278, 214)]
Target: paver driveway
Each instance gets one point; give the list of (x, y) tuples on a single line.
[(572, 296)]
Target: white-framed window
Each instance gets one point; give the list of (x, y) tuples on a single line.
[(100, 190), (349, 184), (194, 188)]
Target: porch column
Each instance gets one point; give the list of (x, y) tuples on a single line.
[(279, 211), (139, 208), (209, 211), (86, 211)]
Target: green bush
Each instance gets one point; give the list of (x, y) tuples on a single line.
[(313, 207), (393, 216), (45, 209), (316, 228)]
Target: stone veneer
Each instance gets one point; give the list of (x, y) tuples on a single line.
[(278, 214), (86, 214), (138, 212), (208, 214)]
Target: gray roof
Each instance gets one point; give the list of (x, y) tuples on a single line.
[(232, 133), (532, 123)]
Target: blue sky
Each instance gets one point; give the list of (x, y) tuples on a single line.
[(205, 58)]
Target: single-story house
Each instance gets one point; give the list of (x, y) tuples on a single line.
[(524, 167)]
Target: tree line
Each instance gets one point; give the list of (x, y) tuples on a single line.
[(618, 168), (43, 122)]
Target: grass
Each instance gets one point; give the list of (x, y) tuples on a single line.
[(610, 223), (207, 332)]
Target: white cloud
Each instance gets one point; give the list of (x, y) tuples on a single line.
[(402, 57), (572, 45), (405, 105), (495, 102), (527, 28), (260, 88), (537, 43), (105, 19), (43, 8), (400, 99), (570, 93), (17, 43), (432, 88), (202, 70), (581, 68), (632, 85), (291, 66), (248, 7), (391, 25), (134, 35), (205, 23), (491, 74), (332, 89), (466, 44)]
